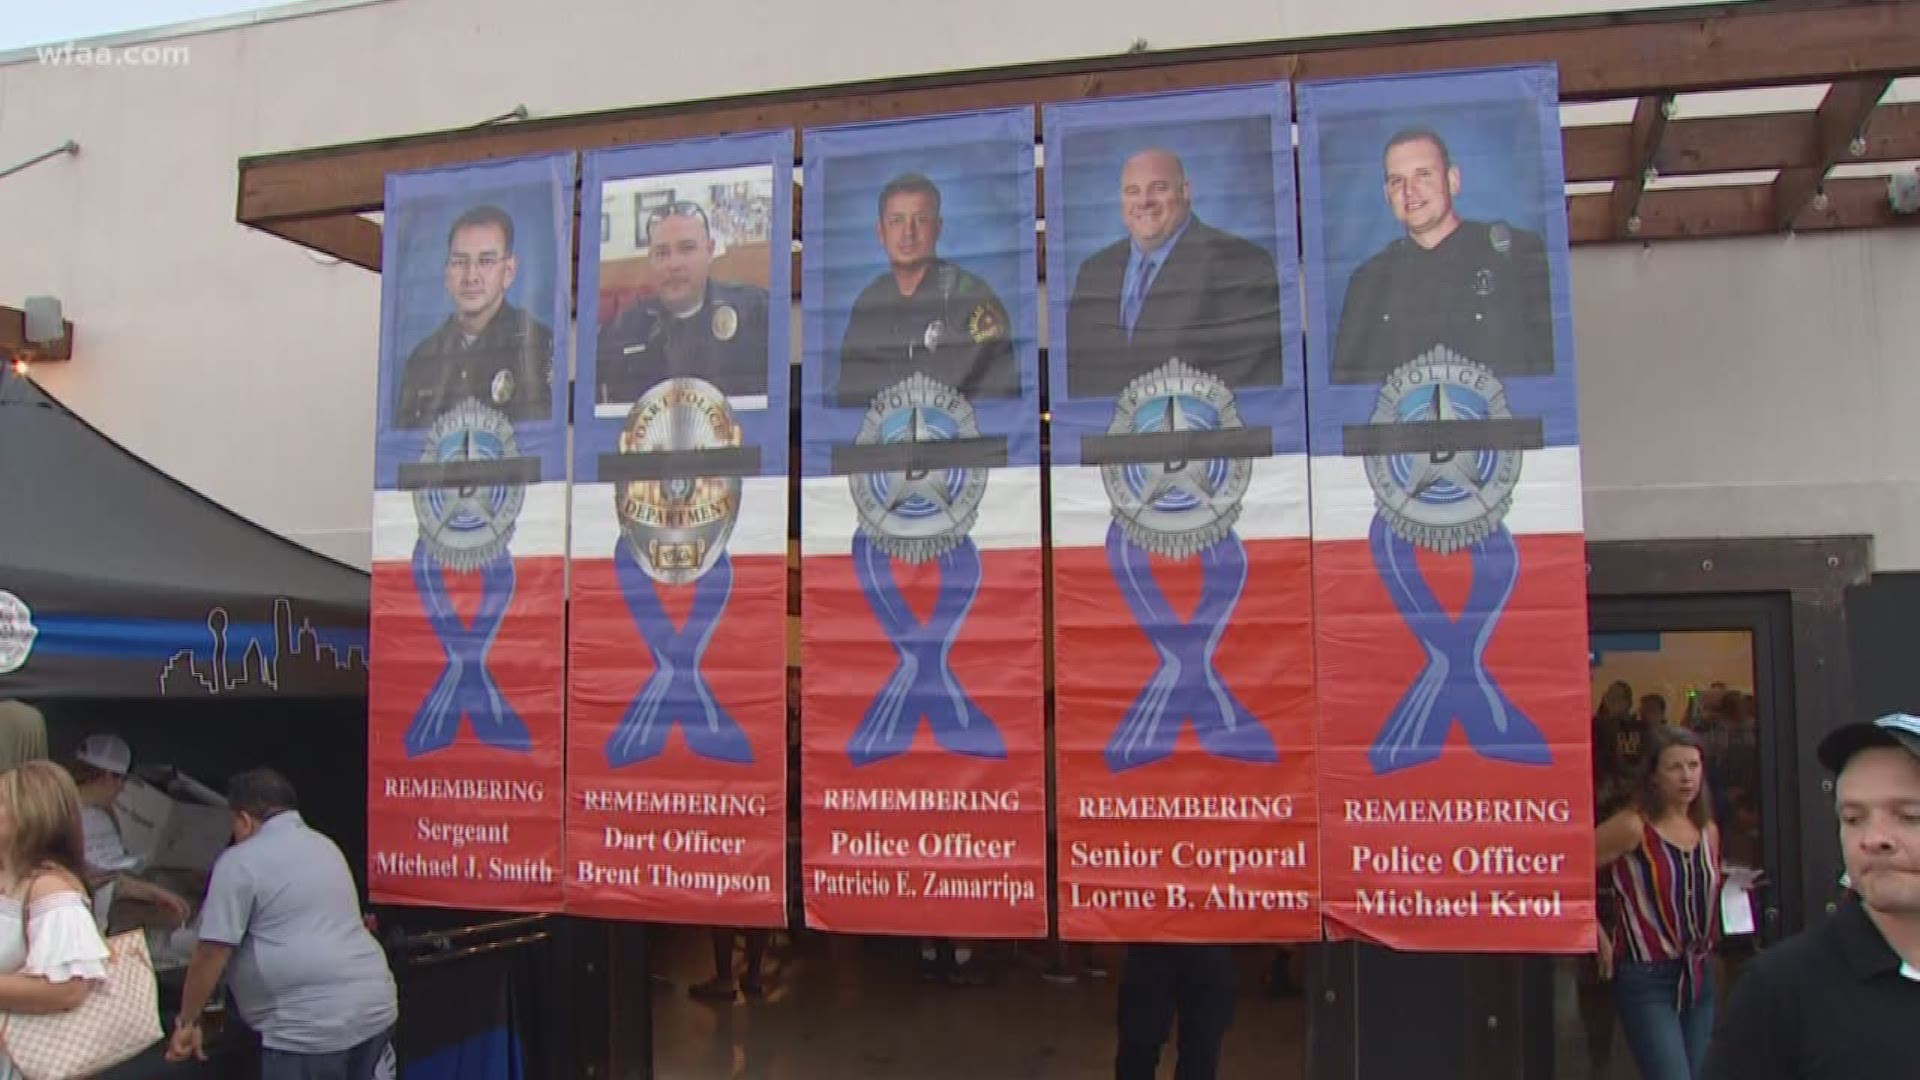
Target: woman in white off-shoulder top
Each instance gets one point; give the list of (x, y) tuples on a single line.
[(51, 952)]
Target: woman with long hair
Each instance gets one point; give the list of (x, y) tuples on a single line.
[(1662, 854), (51, 954)]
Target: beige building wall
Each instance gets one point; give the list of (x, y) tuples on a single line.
[(1752, 387)]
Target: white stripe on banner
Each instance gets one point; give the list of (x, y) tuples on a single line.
[(1546, 501), (1009, 513), (1275, 506), (761, 528), (541, 528)]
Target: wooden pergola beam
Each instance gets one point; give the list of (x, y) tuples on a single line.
[(347, 237), (1841, 119), (1739, 210), (1599, 57), (1726, 144), (1650, 117)]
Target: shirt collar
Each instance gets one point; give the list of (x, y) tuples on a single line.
[(1860, 942), (283, 821)]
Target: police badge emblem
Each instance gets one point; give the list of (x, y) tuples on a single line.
[(677, 527), (467, 527), (984, 324), (726, 322), (1443, 501), (1176, 508), (918, 514), (501, 387), (17, 633)]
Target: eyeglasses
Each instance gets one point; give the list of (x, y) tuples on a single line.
[(681, 208)]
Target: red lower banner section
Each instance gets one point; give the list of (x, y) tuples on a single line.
[(677, 777), (1176, 821), (464, 738), (916, 817), (1458, 851)]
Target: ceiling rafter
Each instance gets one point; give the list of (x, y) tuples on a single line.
[(1650, 118), (1839, 127)]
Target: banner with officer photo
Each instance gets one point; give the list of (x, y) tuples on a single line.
[(1183, 630), (924, 808), (467, 633), (1449, 560), (676, 683)]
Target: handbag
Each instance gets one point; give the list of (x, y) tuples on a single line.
[(119, 1018)]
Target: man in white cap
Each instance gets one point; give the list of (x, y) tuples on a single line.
[(1842, 999), (99, 769)]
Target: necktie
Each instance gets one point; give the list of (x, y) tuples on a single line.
[(1137, 296)]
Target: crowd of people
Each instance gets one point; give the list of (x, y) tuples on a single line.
[(279, 923)]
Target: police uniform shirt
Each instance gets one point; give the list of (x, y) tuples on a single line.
[(953, 330), (1482, 293), (508, 366), (1833, 1003), (724, 342)]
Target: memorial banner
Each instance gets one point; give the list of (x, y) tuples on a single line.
[(1183, 629), (1449, 561), (922, 727), (468, 611), (676, 735)]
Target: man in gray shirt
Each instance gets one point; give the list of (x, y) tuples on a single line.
[(282, 920)]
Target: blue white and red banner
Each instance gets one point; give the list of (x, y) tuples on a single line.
[(676, 740), (1183, 629), (1448, 549), (924, 798), (467, 632)]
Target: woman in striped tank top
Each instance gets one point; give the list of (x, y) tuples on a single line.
[(1662, 854)]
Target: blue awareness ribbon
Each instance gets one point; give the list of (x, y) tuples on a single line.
[(676, 692), (1455, 685), (1185, 686), (465, 686), (922, 683)]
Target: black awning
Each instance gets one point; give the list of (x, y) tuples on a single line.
[(118, 581)]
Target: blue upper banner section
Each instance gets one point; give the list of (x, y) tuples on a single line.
[(1193, 191), (1433, 212), (708, 298), (970, 323), (467, 311)]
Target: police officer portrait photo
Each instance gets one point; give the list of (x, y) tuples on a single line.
[(1434, 226), (1169, 234), (474, 307), (685, 261), (922, 255)]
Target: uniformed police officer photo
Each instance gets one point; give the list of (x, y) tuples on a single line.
[(488, 349), (1478, 287), (923, 314), (1174, 287), (692, 325)]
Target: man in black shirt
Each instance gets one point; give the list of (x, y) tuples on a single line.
[(924, 314), (488, 349), (1479, 288), (692, 325), (1841, 1001)]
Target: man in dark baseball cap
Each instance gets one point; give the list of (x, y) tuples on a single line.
[(1842, 999)]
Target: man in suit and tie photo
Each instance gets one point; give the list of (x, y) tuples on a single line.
[(1174, 288)]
